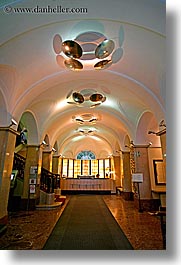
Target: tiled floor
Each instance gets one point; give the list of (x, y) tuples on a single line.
[(30, 230), (142, 229)]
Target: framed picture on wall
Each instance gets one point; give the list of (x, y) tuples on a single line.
[(159, 172)]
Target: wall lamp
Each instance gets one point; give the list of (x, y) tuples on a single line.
[(131, 145), (151, 132), (54, 150), (44, 143), (13, 122), (162, 124)]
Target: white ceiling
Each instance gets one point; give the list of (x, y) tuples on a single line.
[(31, 81)]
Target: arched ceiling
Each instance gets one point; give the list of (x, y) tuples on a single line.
[(32, 80)]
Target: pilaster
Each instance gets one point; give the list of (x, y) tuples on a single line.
[(117, 169), (126, 181), (7, 145), (56, 164), (33, 159), (47, 160), (142, 166)]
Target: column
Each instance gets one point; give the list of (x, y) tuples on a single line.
[(116, 160), (56, 164), (47, 160), (142, 166), (162, 135), (7, 146), (33, 159), (127, 183)]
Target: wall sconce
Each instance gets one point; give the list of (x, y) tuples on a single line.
[(151, 132), (162, 124), (44, 143), (13, 122), (54, 150), (132, 144)]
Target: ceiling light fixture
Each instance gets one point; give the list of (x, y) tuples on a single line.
[(78, 98), (88, 46), (86, 131), (86, 118), (93, 120)]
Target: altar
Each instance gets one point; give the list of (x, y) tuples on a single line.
[(88, 184)]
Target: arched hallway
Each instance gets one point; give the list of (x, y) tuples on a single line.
[(83, 108)]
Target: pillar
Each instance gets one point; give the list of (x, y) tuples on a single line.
[(33, 159), (7, 145), (162, 135), (117, 169), (56, 164), (127, 183), (47, 160), (142, 166)]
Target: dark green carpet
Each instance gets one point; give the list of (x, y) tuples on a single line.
[(87, 224)]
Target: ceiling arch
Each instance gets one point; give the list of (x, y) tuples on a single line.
[(38, 82)]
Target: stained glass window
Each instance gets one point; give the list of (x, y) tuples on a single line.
[(74, 167), (86, 155)]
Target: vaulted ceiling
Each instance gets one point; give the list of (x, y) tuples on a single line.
[(35, 84)]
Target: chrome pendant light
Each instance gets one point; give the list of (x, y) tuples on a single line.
[(72, 49)]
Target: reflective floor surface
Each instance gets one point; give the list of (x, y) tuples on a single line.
[(30, 230)]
